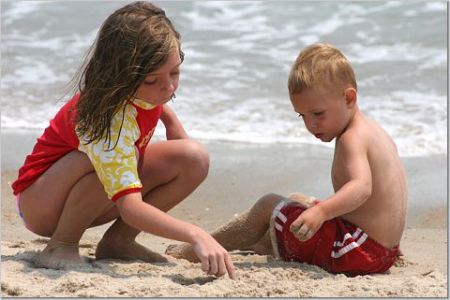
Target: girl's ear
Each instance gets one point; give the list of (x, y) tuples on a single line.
[(350, 97)]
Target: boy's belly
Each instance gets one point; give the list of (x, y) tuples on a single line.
[(383, 227)]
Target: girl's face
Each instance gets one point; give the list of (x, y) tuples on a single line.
[(159, 86)]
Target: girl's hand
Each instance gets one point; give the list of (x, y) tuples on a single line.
[(308, 223), (214, 258)]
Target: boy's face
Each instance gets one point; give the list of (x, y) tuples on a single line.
[(326, 114), (159, 86)]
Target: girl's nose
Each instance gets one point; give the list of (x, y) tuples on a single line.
[(168, 85)]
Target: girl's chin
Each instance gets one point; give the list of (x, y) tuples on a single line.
[(164, 101), (157, 102)]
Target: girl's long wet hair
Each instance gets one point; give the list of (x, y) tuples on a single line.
[(132, 42)]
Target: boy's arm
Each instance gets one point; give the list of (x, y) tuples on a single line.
[(174, 128), (358, 188), (135, 212)]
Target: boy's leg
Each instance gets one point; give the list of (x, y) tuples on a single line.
[(264, 245), (240, 233), (169, 172)]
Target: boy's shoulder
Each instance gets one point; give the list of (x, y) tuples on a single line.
[(355, 134), (366, 136)]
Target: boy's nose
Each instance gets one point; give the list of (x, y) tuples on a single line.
[(313, 125)]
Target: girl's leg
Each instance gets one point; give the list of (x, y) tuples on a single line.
[(68, 198), (243, 232), (61, 204), (169, 172)]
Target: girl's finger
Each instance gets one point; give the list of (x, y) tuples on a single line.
[(205, 264), (230, 267), (213, 268), (221, 268)]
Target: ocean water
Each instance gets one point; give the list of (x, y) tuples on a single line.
[(238, 56)]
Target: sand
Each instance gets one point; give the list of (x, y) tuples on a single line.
[(239, 174), (258, 276)]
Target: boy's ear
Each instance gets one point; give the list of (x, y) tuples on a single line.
[(350, 96)]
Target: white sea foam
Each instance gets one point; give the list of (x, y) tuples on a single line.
[(435, 6), (33, 72), (19, 10), (238, 56), (435, 58), (326, 26), (398, 52)]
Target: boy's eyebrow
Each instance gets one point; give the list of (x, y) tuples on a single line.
[(314, 110), (176, 66)]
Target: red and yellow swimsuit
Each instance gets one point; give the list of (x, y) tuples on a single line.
[(117, 169)]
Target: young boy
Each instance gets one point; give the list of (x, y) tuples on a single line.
[(358, 229)]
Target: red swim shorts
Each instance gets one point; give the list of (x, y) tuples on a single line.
[(338, 246)]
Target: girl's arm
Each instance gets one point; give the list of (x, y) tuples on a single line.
[(135, 212), (174, 128)]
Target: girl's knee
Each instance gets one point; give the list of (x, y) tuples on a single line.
[(39, 223), (196, 158)]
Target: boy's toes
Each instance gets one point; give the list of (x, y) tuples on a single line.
[(171, 250), (182, 251)]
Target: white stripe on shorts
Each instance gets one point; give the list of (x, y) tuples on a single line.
[(349, 247), (347, 236), (275, 226)]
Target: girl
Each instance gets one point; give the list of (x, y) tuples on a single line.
[(93, 163)]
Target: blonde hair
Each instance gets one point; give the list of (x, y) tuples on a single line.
[(320, 66)]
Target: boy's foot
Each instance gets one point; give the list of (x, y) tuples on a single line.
[(108, 248), (260, 249), (184, 251), (303, 199), (58, 255)]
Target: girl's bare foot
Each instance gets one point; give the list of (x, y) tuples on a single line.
[(108, 248), (58, 255), (184, 251)]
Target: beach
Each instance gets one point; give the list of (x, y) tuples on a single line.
[(239, 174), (233, 97)]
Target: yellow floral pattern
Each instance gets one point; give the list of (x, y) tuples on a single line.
[(117, 168)]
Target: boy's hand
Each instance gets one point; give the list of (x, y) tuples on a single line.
[(308, 223)]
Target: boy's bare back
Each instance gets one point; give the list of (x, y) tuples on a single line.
[(382, 216)]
